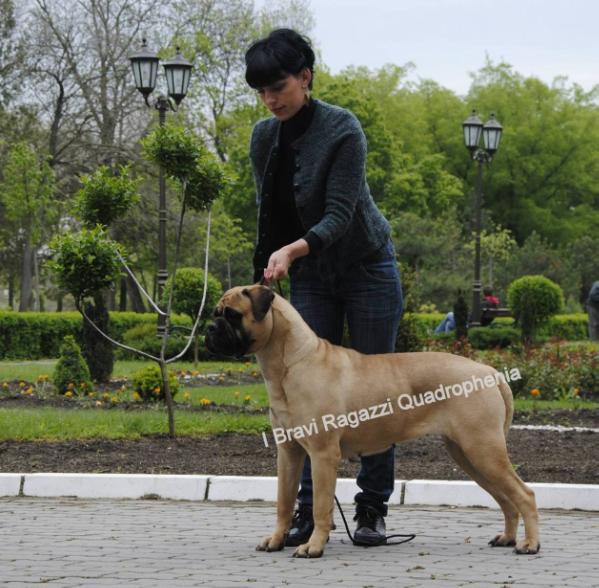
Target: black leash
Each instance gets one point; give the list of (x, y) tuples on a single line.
[(384, 541)]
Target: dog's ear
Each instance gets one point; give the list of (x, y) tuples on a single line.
[(261, 298)]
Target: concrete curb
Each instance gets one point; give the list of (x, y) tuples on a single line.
[(246, 488)]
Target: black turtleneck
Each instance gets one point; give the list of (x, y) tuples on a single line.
[(286, 226)]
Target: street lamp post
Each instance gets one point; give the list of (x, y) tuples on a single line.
[(491, 133), (178, 73)]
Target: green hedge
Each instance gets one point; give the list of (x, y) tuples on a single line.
[(37, 335), (573, 327)]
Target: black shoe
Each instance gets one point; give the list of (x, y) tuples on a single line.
[(302, 526), (371, 526)]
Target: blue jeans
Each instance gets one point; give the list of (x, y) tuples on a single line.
[(446, 325), (369, 295)]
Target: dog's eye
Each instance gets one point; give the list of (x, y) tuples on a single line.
[(232, 315)]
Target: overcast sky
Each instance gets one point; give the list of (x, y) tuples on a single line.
[(447, 39)]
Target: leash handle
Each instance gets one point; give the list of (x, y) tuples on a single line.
[(262, 282), (384, 541)]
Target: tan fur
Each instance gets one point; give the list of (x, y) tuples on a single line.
[(307, 377)]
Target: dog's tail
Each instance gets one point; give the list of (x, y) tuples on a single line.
[(508, 399)]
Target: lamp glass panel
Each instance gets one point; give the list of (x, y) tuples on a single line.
[(135, 66)]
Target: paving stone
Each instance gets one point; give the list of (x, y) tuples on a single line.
[(72, 543)]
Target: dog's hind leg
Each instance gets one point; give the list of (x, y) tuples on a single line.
[(487, 453), (290, 460), (324, 477), (510, 512)]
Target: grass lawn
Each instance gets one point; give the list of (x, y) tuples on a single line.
[(52, 424), (30, 370)]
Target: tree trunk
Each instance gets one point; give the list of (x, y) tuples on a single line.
[(24, 303), (123, 297), (11, 290), (36, 273), (137, 303)]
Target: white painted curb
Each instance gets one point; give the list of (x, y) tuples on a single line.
[(246, 488), (10, 484), (115, 486)]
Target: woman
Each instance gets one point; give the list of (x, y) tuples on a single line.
[(319, 224)]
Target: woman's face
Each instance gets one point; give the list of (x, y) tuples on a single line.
[(285, 97)]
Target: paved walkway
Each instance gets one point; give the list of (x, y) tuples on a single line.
[(71, 542)]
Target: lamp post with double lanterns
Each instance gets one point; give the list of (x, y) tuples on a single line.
[(178, 73), (491, 135)]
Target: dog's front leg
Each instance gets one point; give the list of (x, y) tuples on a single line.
[(290, 460), (324, 478)]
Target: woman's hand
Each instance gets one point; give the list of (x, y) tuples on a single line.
[(280, 261)]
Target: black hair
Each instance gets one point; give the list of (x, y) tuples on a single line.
[(273, 58)]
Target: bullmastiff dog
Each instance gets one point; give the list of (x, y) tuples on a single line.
[(331, 402)]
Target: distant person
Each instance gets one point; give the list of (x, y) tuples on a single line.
[(489, 301), (593, 310)]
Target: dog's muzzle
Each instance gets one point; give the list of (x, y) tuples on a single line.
[(222, 338)]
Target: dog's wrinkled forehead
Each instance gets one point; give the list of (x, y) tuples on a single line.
[(236, 300), (252, 301)]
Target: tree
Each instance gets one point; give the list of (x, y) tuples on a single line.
[(27, 194)]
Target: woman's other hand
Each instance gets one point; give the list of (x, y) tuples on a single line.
[(281, 260)]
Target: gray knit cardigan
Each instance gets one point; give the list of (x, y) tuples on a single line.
[(331, 193)]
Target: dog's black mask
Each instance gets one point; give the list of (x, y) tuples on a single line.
[(226, 335)]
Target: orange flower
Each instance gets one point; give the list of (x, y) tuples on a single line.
[(535, 392)]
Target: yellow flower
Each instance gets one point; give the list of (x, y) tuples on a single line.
[(535, 392), (186, 396), (91, 394), (68, 393), (83, 385), (254, 374), (21, 384), (40, 378), (195, 373), (71, 386), (114, 399), (136, 396), (157, 390), (106, 396), (5, 385), (205, 401), (30, 390), (247, 398), (236, 394), (576, 392), (99, 403)]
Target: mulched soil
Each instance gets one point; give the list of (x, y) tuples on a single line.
[(538, 456)]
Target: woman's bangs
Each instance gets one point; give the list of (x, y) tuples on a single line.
[(262, 70)]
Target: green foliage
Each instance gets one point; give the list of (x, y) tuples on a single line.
[(408, 336), (85, 263), (144, 337), (37, 335), (189, 287), (183, 157), (205, 182), (493, 336), (71, 373), (106, 195), (148, 384), (533, 300), (174, 148)]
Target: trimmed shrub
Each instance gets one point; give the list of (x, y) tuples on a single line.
[(148, 384), (408, 334), (145, 338), (71, 373), (533, 300), (492, 337)]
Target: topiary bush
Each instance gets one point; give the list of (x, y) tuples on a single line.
[(408, 336), (144, 338), (493, 337), (71, 373), (533, 300), (148, 384)]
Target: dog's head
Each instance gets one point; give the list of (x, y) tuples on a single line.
[(242, 321)]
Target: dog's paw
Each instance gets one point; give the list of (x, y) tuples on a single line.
[(306, 550), (502, 541), (271, 543), (527, 547)]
